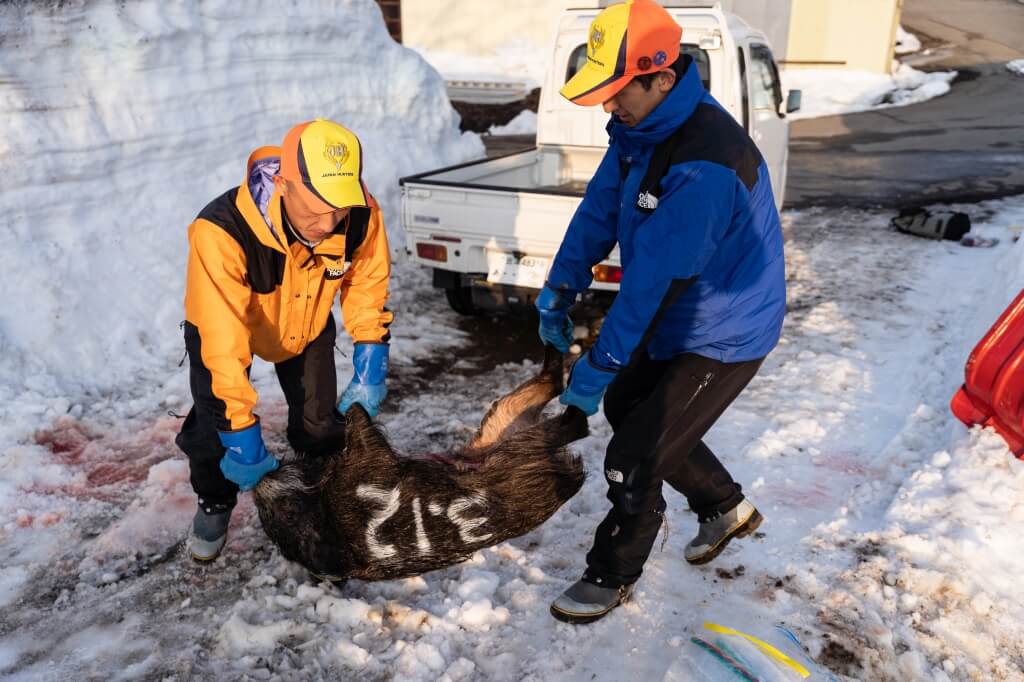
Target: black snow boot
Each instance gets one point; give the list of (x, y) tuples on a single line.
[(586, 601), (716, 532), (209, 530)]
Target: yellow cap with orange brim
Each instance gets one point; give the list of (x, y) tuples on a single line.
[(326, 159), (625, 40)]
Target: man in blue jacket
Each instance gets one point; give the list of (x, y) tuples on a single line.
[(685, 194)]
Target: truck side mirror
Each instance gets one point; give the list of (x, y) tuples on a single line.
[(793, 101)]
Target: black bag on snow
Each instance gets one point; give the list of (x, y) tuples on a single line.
[(950, 225)]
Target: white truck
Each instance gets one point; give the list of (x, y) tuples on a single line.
[(490, 228)]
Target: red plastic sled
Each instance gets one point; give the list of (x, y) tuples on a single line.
[(993, 394)]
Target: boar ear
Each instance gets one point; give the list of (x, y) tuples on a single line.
[(361, 433)]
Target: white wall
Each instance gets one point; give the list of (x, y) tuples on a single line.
[(843, 34), (477, 27)]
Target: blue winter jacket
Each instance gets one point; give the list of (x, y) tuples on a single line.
[(715, 221)]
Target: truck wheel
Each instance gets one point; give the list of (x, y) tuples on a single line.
[(460, 298)]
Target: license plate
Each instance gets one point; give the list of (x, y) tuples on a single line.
[(523, 271)]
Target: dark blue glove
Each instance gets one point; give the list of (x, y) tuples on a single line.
[(246, 459), (367, 387), (555, 325), (587, 383)]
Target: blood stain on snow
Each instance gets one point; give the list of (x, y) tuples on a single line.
[(846, 463), (111, 462), (49, 519), (67, 440)]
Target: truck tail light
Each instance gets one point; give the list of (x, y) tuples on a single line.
[(432, 252), (611, 274)]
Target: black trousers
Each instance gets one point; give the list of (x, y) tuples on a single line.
[(659, 412), (310, 388)]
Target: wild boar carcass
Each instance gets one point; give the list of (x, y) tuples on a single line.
[(372, 514)]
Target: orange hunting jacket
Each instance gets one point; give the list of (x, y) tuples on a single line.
[(249, 293)]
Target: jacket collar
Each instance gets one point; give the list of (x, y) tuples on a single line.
[(260, 204), (666, 118)]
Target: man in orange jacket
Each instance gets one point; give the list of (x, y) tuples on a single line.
[(266, 261)]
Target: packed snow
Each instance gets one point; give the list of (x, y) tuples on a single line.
[(890, 546), (525, 123), (906, 42), (1017, 66), (827, 92)]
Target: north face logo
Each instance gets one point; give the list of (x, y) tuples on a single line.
[(647, 200), (335, 271)]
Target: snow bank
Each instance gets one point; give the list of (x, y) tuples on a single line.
[(122, 120), (826, 92), (525, 123), (518, 61), (906, 42)]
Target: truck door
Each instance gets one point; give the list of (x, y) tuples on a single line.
[(768, 126)]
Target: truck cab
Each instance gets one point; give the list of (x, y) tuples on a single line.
[(490, 228)]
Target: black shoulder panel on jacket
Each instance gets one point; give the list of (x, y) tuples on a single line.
[(264, 265), (355, 235), (711, 134)]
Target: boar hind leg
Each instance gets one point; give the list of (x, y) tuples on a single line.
[(559, 431), (534, 469), (363, 438), (542, 442), (522, 407)]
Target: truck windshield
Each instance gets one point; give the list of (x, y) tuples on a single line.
[(579, 57)]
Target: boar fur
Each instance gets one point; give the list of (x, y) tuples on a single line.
[(371, 514)]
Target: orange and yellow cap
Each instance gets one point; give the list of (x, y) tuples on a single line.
[(625, 40), (326, 159)]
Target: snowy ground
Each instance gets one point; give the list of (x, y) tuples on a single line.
[(891, 539), (890, 542)]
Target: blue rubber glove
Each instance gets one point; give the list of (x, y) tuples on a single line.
[(246, 459), (367, 387), (555, 325), (587, 383)]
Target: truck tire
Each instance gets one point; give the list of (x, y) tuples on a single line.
[(460, 298)]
